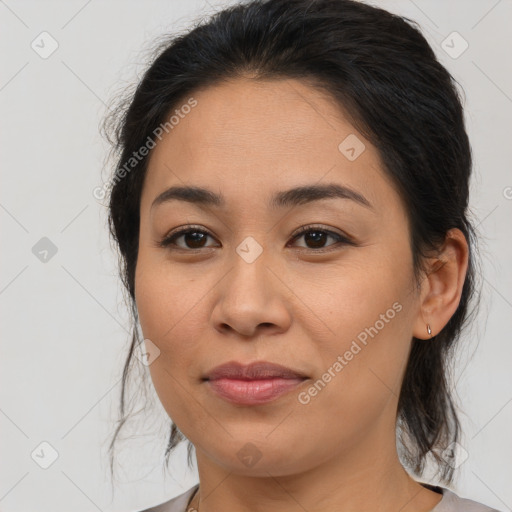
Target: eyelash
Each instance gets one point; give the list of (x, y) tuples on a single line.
[(169, 240)]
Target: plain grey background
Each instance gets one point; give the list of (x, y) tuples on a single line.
[(64, 324)]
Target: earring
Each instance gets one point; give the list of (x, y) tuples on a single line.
[(429, 330)]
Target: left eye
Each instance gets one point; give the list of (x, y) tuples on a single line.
[(195, 238), (317, 237)]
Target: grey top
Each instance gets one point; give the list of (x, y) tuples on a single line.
[(450, 502)]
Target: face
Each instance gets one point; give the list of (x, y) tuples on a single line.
[(335, 303)]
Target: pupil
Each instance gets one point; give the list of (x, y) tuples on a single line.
[(196, 237), (317, 240)]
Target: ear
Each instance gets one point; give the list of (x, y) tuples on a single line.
[(441, 287)]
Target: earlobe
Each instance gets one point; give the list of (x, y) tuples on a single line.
[(442, 286), (426, 332)]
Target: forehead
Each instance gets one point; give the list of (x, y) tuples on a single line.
[(248, 137)]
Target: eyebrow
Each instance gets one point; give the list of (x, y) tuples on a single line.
[(292, 197)]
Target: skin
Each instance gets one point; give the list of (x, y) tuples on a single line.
[(293, 306)]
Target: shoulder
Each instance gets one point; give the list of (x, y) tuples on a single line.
[(177, 504), (451, 502)]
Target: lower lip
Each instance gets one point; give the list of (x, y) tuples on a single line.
[(253, 392)]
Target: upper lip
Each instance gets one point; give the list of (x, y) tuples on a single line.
[(253, 371)]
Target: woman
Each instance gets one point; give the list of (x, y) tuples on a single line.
[(290, 206)]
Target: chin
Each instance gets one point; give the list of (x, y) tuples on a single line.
[(263, 459)]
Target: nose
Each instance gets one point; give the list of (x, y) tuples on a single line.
[(252, 300)]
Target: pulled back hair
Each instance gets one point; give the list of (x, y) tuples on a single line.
[(381, 71)]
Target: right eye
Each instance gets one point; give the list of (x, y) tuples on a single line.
[(193, 237)]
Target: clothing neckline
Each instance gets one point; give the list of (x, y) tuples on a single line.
[(435, 488)]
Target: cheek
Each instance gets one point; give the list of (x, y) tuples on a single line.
[(169, 313), (168, 301), (364, 347), (174, 313), (350, 299)]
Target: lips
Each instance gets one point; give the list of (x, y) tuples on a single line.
[(255, 371), (253, 384)]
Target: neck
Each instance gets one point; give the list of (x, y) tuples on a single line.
[(365, 477)]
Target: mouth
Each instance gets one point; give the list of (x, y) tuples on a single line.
[(253, 384)]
